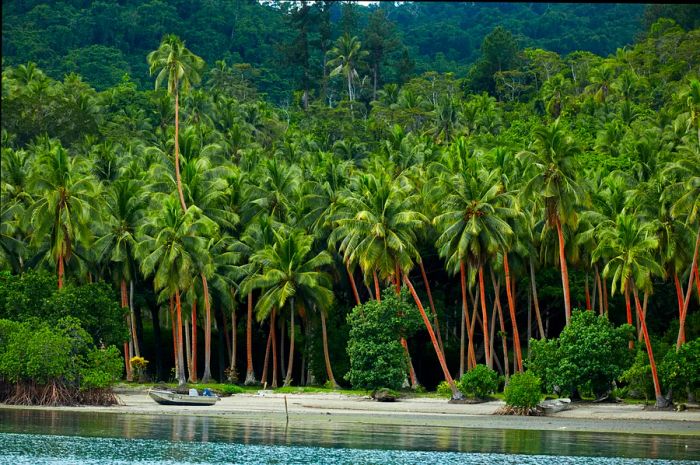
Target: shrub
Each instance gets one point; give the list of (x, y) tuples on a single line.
[(377, 359), (444, 390), (229, 389), (680, 370), (103, 367), (479, 382), (523, 391)]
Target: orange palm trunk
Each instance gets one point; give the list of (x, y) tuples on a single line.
[(467, 323), (686, 301), (353, 285), (193, 361), (679, 297), (326, 356), (180, 353), (124, 303), (588, 294), (484, 318), (263, 379), (660, 401), (207, 330), (564, 272), (177, 152), (376, 287), (455, 392), (432, 306), (511, 308), (274, 348), (498, 310), (250, 373), (628, 307), (60, 271), (174, 331)]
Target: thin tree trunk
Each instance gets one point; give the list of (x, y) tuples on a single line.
[(188, 354), (605, 295), (432, 306), (180, 354), (376, 287), (644, 312), (600, 289), (686, 301), (679, 297), (250, 373), (497, 309), (234, 340), (193, 361), (529, 322), (60, 271), (471, 350), (263, 379), (455, 392), (177, 152), (353, 285), (628, 308), (274, 350), (492, 333), (588, 294), (290, 365), (511, 307), (283, 335), (484, 318), (564, 272), (326, 355), (535, 300), (134, 333), (155, 318), (660, 400), (127, 359), (173, 327), (207, 331)]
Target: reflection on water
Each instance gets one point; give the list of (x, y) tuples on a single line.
[(69, 437)]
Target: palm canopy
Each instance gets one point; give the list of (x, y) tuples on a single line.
[(174, 62), (346, 56), (288, 271), (629, 247), (376, 224)]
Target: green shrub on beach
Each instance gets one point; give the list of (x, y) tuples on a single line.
[(523, 391), (444, 390), (479, 382)]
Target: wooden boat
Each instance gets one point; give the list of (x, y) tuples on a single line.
[(172, 398), (554, 405)]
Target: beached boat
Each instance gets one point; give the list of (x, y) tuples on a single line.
[(172, 398), (554, 405)]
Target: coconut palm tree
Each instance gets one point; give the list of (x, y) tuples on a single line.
[(553, 161), (182, 69), (345, 58), (64, 204), (630, 247), (290, 275)]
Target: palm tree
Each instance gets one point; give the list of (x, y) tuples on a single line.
[(555, 167), (345, 57), (182, 69), (170, 243), (290, 275), (65, 200), (630, 246)]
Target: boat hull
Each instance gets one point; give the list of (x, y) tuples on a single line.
[(171, 398)]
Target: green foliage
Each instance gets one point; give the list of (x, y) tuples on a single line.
[(589, 354), (479, 382), (103, 368), (523, 390), (680, 370), (230, 389), (444, 390), (377, 359)]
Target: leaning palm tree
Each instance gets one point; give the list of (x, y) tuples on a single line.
[(64, 204), (554, 163), (345, 57), (181, 68), (630, 248), (290, 275), (170, 243)]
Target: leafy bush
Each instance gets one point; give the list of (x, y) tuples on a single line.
[(229, 389), (444, 390), (479, 382), (377, 359), (681, 370), (523, 391), (588, 355), (103, 367)]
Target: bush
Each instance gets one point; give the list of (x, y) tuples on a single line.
[(103, 367), (479, 382), (680, 370), (523, 391), (377, 359), (588, 355), (444, 390), (229, 389)]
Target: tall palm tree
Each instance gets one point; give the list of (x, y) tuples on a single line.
[(344, 58), (182, 69), (290, 275), (170, 243), (555, 171), (64, 204), (630, 247)]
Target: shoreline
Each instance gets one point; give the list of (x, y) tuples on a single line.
[(431, 412)]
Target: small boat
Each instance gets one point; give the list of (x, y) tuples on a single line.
[(554, 405), (173, 398)]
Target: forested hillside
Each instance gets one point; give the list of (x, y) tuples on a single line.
[(248, 237), (102, 41)]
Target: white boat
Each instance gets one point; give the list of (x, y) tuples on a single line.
[(554, 405), (173, 398)]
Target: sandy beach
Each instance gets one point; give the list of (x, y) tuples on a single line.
[(339, 408)]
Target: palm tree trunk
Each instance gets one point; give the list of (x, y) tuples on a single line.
[(188, 353), (660, 400), (432, 306), (511, 308), (250, 373), (455, 392), (484, 318), (376, 287), (600, 289), (174, 331), (234, 340), (288, 378), (535, 299), (628, 309), (564, 272), (134, 332), (326, 356), (274, 348), (180, 354), (471, 351), (605, 295), (498, 309), (177, 152), (193, 363), (353, 285), (466, 324), (263, 379), (588, 294), (686, 301), (207, 331), (127, 360), (283, 334), (640, 334), (60, 271)]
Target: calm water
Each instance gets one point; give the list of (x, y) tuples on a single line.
[(37, 437)]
